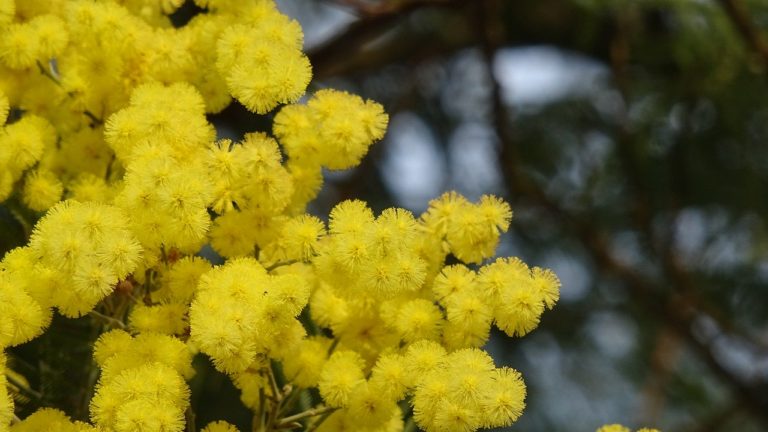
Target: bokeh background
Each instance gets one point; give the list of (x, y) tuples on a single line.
[(630, 137)]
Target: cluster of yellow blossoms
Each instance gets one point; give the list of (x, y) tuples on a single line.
[(103, 128), (620, 428)]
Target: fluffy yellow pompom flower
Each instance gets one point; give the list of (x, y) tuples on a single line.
[(503, 402), (418, 319), (472, 230), (179, 283), (335, 129), (19, 46), (115, 353), (51, 34), (341, 374), (452, 280), (371, 258), (518, 295), (223, 324), (620, 428), (141, 387), (254, 85), (328, 309), (546, 282), (469, 321), (422, 357), (151, 397), (21, 317), (7, 9), (350, 217), (42, 189), (88, 187), (467, 392), (303, 364), (613, 428), (262, 72), (110, 344), (233, 235), (164, 318), (50, 419), (348, 125), (389, 374), (441, 209), (21, 145), (370, 405), (172, 116), (4, 108), (6, 402), (220, 426), (240, 312), (91, 245), (298, 241)]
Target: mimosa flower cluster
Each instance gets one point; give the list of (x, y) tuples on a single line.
[(620, 428), (105, 140)]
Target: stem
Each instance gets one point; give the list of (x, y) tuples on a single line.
[(319, 421), (280, 264), (333, 346), (258, 420), (190, 417), (48, 73), (92, 116), (108, 173), (293, 394), (294, 425), (24, 389), (273, 384), (18, 213), (109, 320), (308, 413), (410, 425)]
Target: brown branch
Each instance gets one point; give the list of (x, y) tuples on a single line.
[(737, 12), (663, 357), (384, 8), (334, 56)]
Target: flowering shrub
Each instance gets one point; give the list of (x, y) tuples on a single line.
[(105, 138)]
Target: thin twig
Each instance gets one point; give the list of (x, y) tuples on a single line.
[(319, 421), (410, 425), (37, 396), (48, 73), (737, 12), (190, 418), (385, 8), (258, 419), (108, 320), (308, 413), (280, 264), (273, 384)]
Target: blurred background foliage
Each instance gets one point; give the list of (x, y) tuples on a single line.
[(630, 137)]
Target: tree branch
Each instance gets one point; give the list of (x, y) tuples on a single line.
[(737, 12)]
